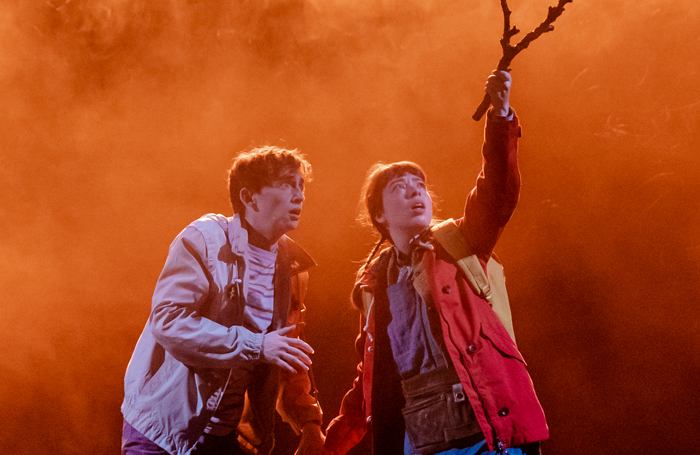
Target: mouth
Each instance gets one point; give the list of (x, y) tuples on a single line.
[(418, 206), (295, 213)]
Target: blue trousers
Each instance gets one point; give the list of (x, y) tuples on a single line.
[(480, 448)]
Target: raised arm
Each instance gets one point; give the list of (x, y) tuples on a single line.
[(491, 203)]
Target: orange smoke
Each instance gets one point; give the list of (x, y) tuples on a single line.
[(120, 118)]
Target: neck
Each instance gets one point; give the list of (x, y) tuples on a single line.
[(402, 239), (258, 239)]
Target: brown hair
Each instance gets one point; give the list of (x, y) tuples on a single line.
[(260, 167), (371, 196)]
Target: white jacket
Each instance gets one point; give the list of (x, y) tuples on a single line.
[(193, 341)]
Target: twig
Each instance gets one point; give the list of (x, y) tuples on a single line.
[(510, 51)]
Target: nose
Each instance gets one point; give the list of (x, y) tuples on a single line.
[(298, 195), (413, 190)]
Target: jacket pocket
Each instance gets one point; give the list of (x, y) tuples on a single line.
[(425, 422), (434, 423), (503, 343)]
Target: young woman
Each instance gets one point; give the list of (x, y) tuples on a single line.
[(440, 370)]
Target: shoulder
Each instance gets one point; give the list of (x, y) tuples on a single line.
[(211, 223), (370, 274), (450, 236), (213, 228), (370, 277), (203, 233)]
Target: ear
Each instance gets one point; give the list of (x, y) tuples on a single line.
[(380, 219), (248, 199)]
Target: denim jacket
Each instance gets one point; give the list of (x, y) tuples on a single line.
[(194, 343)]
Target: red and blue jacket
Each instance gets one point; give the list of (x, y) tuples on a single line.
[(486, 358)]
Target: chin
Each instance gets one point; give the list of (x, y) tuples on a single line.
[(423, 224)]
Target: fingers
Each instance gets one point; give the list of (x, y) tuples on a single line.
[(298, 354), (499, 81), (294, 342), (290, 363), (300, 344), (286, 330), (290, 354), (502, 75), (498, 88), (312, 439)]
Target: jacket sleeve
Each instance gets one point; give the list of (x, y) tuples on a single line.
[(295, 403), (347, 430), (491, 203), (184, 289)]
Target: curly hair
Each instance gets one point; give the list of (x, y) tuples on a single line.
[(260, 167)]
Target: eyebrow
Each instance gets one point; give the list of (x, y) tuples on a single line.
[(395, 182), (289, 178), (405, 179)]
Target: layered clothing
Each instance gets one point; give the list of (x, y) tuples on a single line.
[(194, 342), (491, 370)]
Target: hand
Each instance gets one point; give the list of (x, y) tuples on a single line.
[(498, 88), (312, 440), (286, 352)]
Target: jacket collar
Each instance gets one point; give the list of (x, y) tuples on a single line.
[(237, 236), (298, 259), (287, 249)]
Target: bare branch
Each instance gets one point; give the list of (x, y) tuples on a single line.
[(510, 51)]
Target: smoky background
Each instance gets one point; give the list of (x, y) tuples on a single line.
[(120, 117)]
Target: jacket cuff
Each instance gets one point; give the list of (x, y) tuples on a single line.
[(254, 345), (344, 433), (497, 118), (303, 414), (497, 126)]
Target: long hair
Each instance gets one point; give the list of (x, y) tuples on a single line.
[(371, 204)]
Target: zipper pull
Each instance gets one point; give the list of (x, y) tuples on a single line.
[(501, 449), (235, 291)]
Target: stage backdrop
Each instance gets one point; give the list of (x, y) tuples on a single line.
[(119, 118)]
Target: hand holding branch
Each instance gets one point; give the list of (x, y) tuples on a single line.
[(510, 51), (498, 90)]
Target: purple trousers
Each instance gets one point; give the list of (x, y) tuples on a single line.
[(134, 443)]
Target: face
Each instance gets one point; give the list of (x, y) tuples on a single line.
[(276, 209), (408, 208)]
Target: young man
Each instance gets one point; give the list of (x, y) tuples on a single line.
[(220, 348), (440, 370)]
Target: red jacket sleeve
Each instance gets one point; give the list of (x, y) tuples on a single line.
[(491, 203), (295, 403), (347, 430)]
